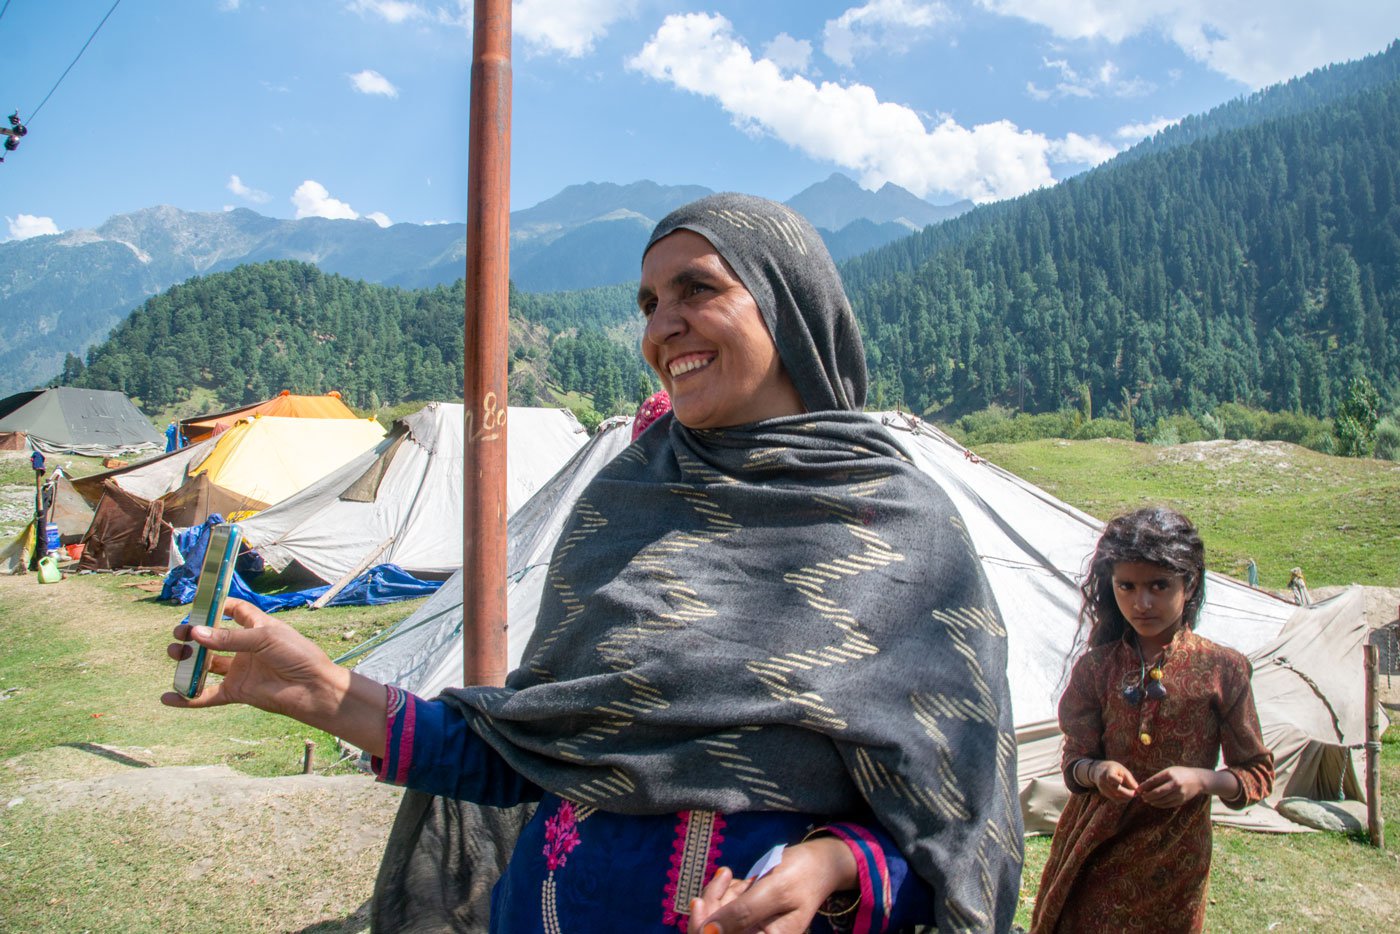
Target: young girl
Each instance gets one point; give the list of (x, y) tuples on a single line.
[(1149, 708)]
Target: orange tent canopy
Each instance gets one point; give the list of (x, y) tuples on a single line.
[(283, 405)]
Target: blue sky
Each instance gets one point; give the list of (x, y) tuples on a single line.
[(358, 108)]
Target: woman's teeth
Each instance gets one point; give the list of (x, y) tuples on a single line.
[(689, 364)]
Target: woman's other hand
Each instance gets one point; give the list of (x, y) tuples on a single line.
[(276, 668), (782, 902), (1113, 780)]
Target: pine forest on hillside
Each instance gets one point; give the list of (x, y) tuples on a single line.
[(248, 333), (1259, 265)]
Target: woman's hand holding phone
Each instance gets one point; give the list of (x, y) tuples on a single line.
[(276, 668)]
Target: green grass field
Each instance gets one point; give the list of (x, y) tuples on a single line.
[(1284, 506)]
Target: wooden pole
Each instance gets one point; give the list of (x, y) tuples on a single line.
[(1375, 823), (307, 756), (484, 386)]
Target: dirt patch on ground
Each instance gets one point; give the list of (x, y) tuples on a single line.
[(1279, 455), (293, 853), (354, 808), (1382, 603)]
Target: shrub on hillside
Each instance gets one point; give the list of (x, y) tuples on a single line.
[(1238, 422), (995, 425), (1177, 429), (1388, 439), (1296, 428), (1104, 428)]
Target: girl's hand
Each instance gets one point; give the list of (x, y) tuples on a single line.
[(1173, 787), (276, 668), (1113, 780), (782, 902)]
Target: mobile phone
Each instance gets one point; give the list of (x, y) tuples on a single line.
[(215, 575)]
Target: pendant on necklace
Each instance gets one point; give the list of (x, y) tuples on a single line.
[(1145, 738)]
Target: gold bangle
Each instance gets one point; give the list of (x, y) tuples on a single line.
[(844, 911), (855, 903)]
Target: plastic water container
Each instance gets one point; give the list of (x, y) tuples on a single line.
[(48, 570), (51, 539)]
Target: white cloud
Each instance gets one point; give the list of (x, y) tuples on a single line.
[(393, 11), (847, 124), (380, 218), (1252, 42), (570, 27), (1080, 150), (311, 199), (567, 26), (1071, 83), (235, 185), (888, 26), (789, 54), (228, 6), (372, 82), (1132, 132), (24, 226)]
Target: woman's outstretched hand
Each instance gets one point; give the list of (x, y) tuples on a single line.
[(276, 668), (783, 901)]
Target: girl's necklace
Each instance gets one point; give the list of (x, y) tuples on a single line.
[(1149, 686)]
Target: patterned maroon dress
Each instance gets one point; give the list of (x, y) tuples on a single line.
[(1131, 866)]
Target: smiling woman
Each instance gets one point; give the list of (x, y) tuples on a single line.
[(706, 338), (767, 643)]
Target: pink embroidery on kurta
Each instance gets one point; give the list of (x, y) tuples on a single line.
[(560, 835)]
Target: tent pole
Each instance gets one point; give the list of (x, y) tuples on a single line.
[(1375, 823), (485, 347)]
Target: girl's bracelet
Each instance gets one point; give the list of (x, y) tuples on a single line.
[(1087, 779)]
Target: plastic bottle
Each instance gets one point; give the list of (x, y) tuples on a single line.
[(48, 570)]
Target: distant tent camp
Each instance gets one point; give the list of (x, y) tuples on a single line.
[(65, 420), (255, 464), (283, 405), (1033, 548), (401, 503)]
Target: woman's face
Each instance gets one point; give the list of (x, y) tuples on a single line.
[(1152, 598), (706, 339)]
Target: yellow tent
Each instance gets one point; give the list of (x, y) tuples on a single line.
[(283, 405), (265, 459)]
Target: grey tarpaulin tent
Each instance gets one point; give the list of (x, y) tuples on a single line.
[(1307, 660), (66, 420)]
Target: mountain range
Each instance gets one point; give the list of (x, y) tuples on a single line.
[(60, 294)]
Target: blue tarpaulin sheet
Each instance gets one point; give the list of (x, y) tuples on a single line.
[(384, 583)]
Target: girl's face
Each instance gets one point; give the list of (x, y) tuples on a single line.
[(1152, 598)]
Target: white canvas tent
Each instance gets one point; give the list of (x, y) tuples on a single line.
[(401, 502), (1033, 548)]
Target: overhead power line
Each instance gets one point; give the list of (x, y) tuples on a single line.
[(35, 112)]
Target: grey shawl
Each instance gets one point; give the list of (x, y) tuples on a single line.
[(780, 616)]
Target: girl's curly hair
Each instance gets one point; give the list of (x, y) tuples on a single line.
[(1155, 535)]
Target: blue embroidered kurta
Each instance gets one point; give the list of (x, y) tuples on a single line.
[(576, 867)]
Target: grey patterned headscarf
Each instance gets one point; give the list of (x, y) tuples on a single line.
[(784, 264), (785, 616)]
